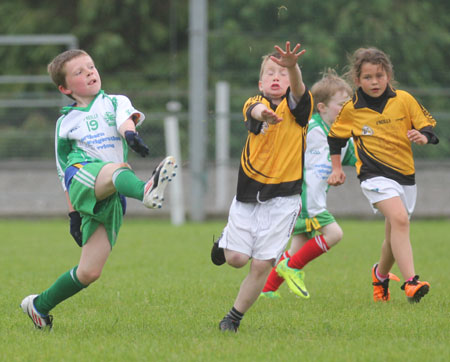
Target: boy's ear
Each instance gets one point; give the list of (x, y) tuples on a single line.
[(260, 86), (320, 107), (64, 90)]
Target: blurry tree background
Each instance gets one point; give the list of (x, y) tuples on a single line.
[(141, 49)]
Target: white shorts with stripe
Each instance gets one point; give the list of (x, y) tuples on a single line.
[(261, 230), (382, 188)]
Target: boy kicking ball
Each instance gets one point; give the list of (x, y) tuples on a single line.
[(92, 140)]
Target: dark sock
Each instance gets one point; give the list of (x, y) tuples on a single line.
[(235, 315)]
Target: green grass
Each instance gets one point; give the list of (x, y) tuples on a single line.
[(161, 299)]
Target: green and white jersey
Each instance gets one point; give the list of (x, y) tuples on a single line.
[(318, 167), (89, 134)]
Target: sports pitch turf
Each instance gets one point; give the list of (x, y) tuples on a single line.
[(160, 299)]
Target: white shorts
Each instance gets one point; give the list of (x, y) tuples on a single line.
[(261, 230), (381, 188)]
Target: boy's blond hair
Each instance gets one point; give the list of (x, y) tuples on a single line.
[(265, 59), (328, 86), (56, 66)]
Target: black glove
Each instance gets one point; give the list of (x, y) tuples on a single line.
[(75, 227), (136, 143)]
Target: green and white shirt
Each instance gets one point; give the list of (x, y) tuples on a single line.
[(91, 134), (318, 167)]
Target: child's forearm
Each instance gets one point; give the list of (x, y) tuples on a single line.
[(128, 125), (296, 81), (257, 112), (261, 113), (336, 164)]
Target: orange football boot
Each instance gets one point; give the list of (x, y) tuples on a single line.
[(381, 289), (415, 289)]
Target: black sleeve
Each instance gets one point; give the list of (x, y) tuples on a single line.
[(336, 144), (253, 125), (302, 111), (430, 135)]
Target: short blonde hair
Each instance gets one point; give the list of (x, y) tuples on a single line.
[(265, 59), (331, 83), (56, 66)]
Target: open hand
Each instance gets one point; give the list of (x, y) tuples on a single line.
[(288, 58), (270, 116)]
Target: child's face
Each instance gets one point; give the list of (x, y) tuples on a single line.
[(274, 81), (82, 79), (329, 111), (373, 79)]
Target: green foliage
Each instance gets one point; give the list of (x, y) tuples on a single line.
[(141, 47), (161, 299)]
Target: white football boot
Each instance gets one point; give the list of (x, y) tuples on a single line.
[(154, 188), (40, 321)]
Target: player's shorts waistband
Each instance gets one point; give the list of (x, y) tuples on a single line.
[(71, 171)]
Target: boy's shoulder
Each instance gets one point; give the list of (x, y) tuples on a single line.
[(101, 101), (258, 98), (114, 98)]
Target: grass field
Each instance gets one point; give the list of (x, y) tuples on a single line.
[(161, 299)]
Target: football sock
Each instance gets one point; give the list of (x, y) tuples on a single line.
[(235, 315), (65, 286), (311, 250), (274, 280), (128, 184)]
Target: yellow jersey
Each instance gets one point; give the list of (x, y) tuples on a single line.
[(380, 137), (272, 158)]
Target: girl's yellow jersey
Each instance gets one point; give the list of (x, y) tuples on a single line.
[(272, 158), (380, 137)]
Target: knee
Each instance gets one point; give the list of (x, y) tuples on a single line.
[(332, 235), (261, 267), (337, 237), (123, 164), (400, 220), (87, 277), (235, 259)]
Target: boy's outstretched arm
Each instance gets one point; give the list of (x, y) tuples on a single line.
[(289, 60), (263, 114)]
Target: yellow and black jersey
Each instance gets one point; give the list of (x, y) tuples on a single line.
[(272, 158), (379, 129)]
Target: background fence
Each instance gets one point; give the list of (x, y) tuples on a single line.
[(30, 186), (29, 108)]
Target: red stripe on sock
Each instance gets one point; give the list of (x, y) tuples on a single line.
[(312, 249)]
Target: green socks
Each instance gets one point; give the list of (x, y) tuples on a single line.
[(128, 184), (65, 286)]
